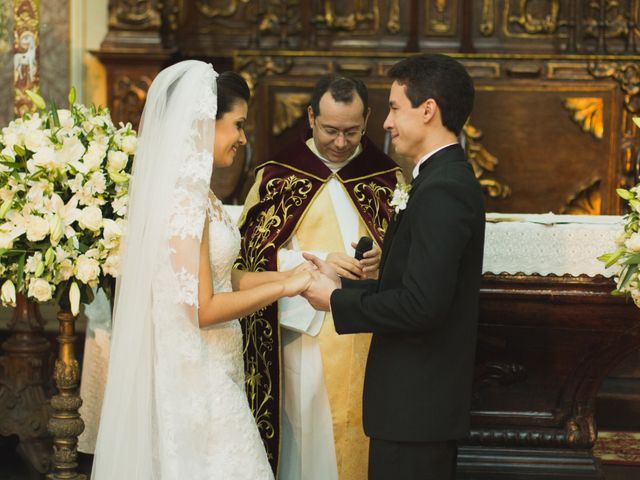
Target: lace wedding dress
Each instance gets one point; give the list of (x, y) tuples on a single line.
[(236, 449)]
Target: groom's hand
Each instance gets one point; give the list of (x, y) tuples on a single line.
[(318, 294)]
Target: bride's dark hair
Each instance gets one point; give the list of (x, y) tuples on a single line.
[(231, 88)]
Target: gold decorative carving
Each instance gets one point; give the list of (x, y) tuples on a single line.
[(208, 8), (26, 46), (65, 423), (616, 24), (628, 77), (393, 24), (488, 18), (586, 202), (135, 14), (289, 107), (128, 98), (252, 68), (544, 23), (352, 21), (441, 17), (482, 161), (588, 113)]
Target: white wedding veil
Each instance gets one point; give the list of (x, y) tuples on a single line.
[(153, 418)]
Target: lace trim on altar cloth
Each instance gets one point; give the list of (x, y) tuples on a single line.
[(549, 244)]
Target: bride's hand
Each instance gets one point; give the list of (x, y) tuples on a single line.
[(305, 266), (296, 283)]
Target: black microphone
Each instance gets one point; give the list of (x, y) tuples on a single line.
[(364, 245)]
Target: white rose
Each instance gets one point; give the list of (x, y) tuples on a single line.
[(112, 233), (45, 157), (111, 266), (129, 144), (10, 137), (116, 160), (37, 228), (40, 290), (91, 219), (633, 243), (65, 270), (93, 159), (35, 139), (71, 151), (120, 205), (31, 265), (96, 184), (87, 269)]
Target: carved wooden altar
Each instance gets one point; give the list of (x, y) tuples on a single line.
[(557, 83)]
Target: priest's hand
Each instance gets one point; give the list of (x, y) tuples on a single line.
[(324, 268), (345, 266), (370, 261)]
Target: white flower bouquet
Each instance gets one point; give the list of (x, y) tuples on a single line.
[(64, 177)]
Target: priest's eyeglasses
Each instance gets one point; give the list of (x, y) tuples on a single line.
[(353, 135)]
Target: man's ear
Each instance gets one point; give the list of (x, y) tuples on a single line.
[(429, 110), (310, 116), (366, 119)]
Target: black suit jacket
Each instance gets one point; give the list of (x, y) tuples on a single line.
[(423, 309)]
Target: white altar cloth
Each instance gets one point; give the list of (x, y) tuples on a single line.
[(549, 244)]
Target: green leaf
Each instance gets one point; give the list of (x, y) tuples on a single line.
[(625, 194), (633, 259), (627, 276), (72, 96), (37, 100), (611, 258), (20, 272), (54, 114)]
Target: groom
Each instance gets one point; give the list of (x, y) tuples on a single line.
[(423, 309)]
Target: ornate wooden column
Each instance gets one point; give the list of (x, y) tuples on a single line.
[(138, 45)]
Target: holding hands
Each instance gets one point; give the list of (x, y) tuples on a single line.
[(316, 279)]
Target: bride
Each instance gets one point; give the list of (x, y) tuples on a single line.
[(175, 405)]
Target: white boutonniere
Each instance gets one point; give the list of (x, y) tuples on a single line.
[(400, 197)]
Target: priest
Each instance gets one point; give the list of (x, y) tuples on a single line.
[(319, 194)]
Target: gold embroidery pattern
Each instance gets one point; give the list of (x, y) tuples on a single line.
[(283, 194), (374, 201)]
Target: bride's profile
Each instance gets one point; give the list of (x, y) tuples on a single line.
[(175, 404)]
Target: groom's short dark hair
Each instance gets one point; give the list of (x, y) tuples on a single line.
[(441, 78)]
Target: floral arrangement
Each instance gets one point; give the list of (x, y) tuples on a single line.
[(626, 258), (64, 176)]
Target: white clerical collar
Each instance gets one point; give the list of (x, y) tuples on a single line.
[(333, 166), (416, 169)]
